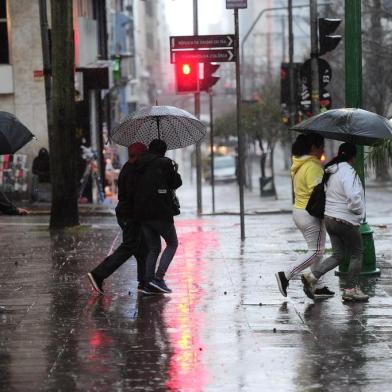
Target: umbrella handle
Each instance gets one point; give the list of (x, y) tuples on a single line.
[(159, 131)]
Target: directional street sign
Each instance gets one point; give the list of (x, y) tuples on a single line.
[(203, 56), (201, 41), (230, 4)]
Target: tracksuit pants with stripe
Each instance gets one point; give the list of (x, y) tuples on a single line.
[(313, 230)]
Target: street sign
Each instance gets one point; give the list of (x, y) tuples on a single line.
[(230, 4), (325, 72), (203, 56), (201, 41)]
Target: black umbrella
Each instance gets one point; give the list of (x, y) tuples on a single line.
[(13, 134), (352, 125)]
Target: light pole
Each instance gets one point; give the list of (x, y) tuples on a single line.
[(353, 61)]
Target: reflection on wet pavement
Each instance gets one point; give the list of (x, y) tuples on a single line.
[(224, 328)]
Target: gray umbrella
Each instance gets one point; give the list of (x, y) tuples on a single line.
[(352, 125), (13, 134), (175, 126)]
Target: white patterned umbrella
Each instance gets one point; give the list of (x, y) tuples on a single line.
[(175, 126)]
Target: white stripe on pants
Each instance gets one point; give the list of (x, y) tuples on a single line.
[(313, 230)]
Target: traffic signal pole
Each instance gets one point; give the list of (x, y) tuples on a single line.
[(212, 156), (315, 91), (353, 61), (197, 115), (241, 160)]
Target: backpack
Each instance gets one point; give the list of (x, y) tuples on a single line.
[(316, 202)]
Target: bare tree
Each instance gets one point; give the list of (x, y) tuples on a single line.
[(62, 141)]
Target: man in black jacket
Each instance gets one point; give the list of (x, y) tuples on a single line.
[(157, 178), (133, 244)]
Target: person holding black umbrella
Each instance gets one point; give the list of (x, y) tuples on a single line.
[(157, 179), (344, 212)]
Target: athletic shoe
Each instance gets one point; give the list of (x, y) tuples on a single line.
[(324, 292), (96, 283), (355, 294), (149, 290), (283, 283), (160, 285), (308, 281)]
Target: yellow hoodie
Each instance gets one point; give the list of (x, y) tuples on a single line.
[(306, 172)]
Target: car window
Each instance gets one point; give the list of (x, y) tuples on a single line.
[(224, 162)]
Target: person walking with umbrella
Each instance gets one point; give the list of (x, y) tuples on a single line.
[(157, 179), (132, 244), (307, 172), (13, 136), (344, 212)]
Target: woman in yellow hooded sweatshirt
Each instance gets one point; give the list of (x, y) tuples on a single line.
[(306, 172)]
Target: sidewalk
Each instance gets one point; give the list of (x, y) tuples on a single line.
[(225, 327)]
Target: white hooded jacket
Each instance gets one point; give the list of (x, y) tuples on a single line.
[(345, 197)]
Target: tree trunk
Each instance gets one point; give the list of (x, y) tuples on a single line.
[(62, 140)]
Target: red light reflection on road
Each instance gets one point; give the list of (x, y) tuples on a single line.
[(186, 368)]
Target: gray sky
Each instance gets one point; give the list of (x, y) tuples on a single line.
[(180, 17)]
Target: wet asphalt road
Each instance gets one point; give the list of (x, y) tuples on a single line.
[(225, 327)]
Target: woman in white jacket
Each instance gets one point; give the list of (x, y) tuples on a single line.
[(344, 212)]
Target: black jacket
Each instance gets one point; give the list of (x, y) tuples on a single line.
[(155, 179), (126, 190), (6, 207)]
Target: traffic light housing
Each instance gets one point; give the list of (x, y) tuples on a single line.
[(209, 79), (327, 41), (187, 77)]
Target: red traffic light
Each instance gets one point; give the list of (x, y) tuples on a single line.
[(187, 76), (186, 69)]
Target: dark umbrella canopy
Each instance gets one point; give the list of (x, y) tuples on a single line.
[(13, 134), (352, 125), (175, 126)]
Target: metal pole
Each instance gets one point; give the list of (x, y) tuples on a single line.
[(292, 108), (241, 162), (315, 92), (210, 93), (353, 57), (197, 115)]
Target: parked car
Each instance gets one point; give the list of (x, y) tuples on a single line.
[(224, 169)]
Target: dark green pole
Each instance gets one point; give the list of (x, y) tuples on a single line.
[(353, 54)]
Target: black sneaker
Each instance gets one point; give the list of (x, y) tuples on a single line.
[(324, 292), (149, 290), (283, 283), (160, 285), (96, 283), (308, 288)]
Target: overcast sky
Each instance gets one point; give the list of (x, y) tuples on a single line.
[(180, 16)]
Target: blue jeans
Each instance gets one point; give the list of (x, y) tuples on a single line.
[(153, 231)]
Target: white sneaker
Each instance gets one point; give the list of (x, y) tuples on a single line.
[(355, 294)]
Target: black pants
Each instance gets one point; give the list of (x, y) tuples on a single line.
[(133, 244)]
